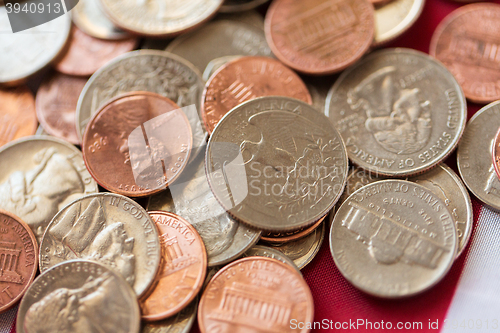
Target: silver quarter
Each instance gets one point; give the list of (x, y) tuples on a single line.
[(393, 238), (69, 298), (269, 252), (39, 175), (107, 228), (399, 111)]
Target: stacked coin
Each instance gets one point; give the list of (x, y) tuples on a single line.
[(222, 167)]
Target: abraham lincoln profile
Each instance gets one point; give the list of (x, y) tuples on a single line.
[(35, 195)]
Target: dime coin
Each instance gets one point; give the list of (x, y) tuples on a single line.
[(251, 17), (24, 54), (231, 6), (70, 296), (225, 238), (39, 175), (474, 155), (244, 79), (394, 18), (467, 42), (268, 252), (87, 54), (302, 251), (18, 259), (179, 323), (17, 114), (160, 18), (445, 184), (182, 268), (393, 238), (218, 39), (260, 294), (289, 236), (88, 17), (399, 111), (145, 70), (137, 144), (56, 101), (110, 229), (276, 163), (319, 37)]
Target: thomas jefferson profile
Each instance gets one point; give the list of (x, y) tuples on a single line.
[(96, 307), (35, 195)]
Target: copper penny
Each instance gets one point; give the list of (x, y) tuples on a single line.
[(320, 37), (137, 144), (56, 101), (244, 79), (468, 42), (18, 259), (496, 153), (182, 270), (257, 294), (290, 236), (17, 114), (86, 54)]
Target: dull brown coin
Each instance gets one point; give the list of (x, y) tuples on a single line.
[(56, 101), (182, 270), (244, 79), (258, 293), (320, 37), (290, 236), (86, 54), (137, 144), (18, 259), (17, 114), (467, 42)]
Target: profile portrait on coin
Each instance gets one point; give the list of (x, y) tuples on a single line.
[(35, 195), (79, 310)]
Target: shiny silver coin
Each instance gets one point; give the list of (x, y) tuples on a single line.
[(393, 238), (225, 238), (474, 156), (69, 298), (269, 252), (25, 53), (39, 175), (399, 111), (276, 163), (107, 228)]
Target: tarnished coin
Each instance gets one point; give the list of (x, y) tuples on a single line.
[(160, 18), (302, 251), (69, 298), (445, 184), (18, 259), (395, 18), (231, 6), (467, 42), (399, 111), (25, 53), (17, 114), (225, 238), (39, 175), (146, 70), (88, 17), (110, 229), (180, 323), (268, 252), (289, 236), (393, 238), (56, 101), (86, 54), (137, 144), (218, 39), (319, 37), (257, 293), (276, 163), (474, 155), (244, 79), (182, 269)]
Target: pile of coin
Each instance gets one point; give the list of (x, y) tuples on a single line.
[(197, 175)]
